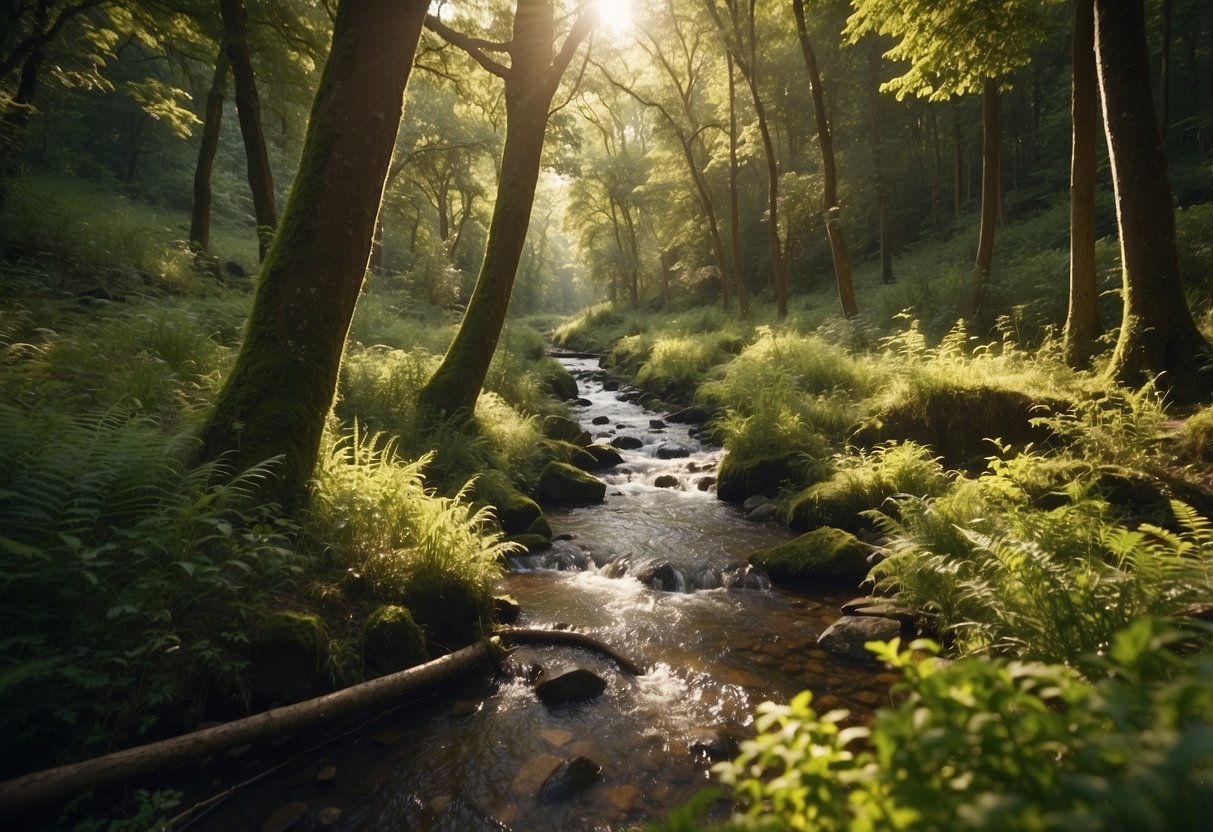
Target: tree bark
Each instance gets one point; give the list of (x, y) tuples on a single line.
[(14, 123), (743, 294), (1164, 70), (746, 60), (278, 394), (830, 209), (878, 165), (530, 82), (1082, 319), (212, 120), (248, 109), (1157, 332), (991, 166)]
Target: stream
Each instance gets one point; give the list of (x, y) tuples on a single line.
[(659, 573)]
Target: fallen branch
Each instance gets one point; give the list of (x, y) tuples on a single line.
[(523, 635), (22, 794)]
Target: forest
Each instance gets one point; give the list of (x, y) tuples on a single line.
[(606, 415)]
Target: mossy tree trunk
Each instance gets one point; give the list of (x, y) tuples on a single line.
[(277, 396), (829, 173), (531, 81), (14, 122), (1157, 332), (878, 163), (991, 169), (212, 120), (1082, 318), (248, 110), (743, 294)]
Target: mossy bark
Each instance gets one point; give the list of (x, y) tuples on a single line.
[(991, 168), (530, 83), (248, 109), (1157, 332), (14, 122), (278, 394)]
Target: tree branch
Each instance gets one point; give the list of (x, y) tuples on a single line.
[(475, 47)]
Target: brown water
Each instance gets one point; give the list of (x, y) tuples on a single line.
[(659, 574)]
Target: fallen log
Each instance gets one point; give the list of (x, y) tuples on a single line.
[(22, 794), (524, 635)]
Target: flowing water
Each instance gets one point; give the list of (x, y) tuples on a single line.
[(659, 573)]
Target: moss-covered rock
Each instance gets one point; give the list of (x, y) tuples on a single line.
[(540, 528), (559, 382), (957, 420), (391, 640), (829, 503), (515, 511), (740, 477), (824, 556), (604, 456), (506, 609), (287, 653), (563, 483), (452, 613), (532, 542), (565, 430)]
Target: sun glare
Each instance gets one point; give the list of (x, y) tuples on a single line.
[(614, 15)]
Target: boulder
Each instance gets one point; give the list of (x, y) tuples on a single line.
[(738, 478), (667, 481), (605, 456), (602, 420), (565, 430), (532, 542), (558, 382), (570, 686), (669, 450), (627, 443), (563, 483), (765, 513), (827, 556), (391, 640), (847, 636), (656, 424), (515, 511), (506, 609), (754, 502), (583, 459), (286, 655)]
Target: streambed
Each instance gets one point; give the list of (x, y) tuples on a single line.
[(659, 573)]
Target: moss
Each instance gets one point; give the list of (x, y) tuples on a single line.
[(740, 477), (828, 556), (565, 430), (515, 511), (562, 483), (287, 654), (391, 640), (452, 613), (559, 382)]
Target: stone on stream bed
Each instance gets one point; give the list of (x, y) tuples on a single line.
[(829, 556), (627, 443), (285, 818), (563, 483), (671, 451), (604, 456), (740, 477), (667, 481), (570, 686), (569, 778), (847, 636)]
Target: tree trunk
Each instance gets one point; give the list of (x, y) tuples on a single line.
[(277, 396), (212, 120), (991, 165), (530, 82), (882, 185), (958, 158), (830, 209), (14, 123), (1082, 319), (743, 294), (248, 108), (1164, 70), (665, 280), (1157, 333)]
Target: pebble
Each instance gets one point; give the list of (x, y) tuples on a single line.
[(625, 798), (285, 818), (556, 736), (328, 816), (389, 737), (326, 774)]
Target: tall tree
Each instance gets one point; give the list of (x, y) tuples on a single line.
[(1082, 317), (248, 109), (1157, 332), (212, 120), (534, 74), (739, 36), (956, 47), (278, 394), (830, 209)]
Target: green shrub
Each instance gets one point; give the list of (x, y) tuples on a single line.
[(409, 545), (982, 744)]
